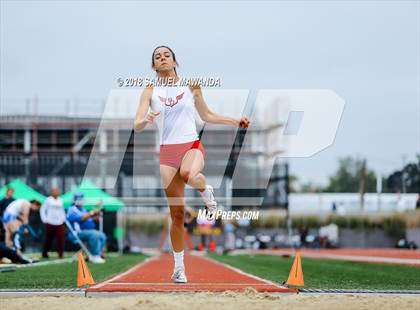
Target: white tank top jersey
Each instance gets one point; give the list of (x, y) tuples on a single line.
[(16, 207), (176, 122)]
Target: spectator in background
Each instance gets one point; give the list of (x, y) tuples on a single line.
[(8, 199), (83, 223), (188, 226), (53, 216), (328, 236), (13, 255), (334, 207), (230, 238), (16, 215), (205, 226), (303, 233)]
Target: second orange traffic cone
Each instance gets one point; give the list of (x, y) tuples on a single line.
[(296, 273), (83, 275)]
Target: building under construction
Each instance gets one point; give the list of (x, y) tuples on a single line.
[(48, 150)]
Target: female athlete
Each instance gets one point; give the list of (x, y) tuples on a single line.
[(172, 107)]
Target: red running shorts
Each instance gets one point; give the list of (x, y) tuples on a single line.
[(172, 154)]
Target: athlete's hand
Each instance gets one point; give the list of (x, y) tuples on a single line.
[(150, 117), (244, 122)]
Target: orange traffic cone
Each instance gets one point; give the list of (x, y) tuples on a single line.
[(296, 273), (83, 275)]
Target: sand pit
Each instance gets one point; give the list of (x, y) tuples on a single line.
[(228, 300)]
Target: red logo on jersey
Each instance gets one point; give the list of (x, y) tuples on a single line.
[(170, 102)]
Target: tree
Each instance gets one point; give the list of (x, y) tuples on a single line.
[(405, 180), (348, 175)]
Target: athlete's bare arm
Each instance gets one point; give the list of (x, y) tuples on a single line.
[(211, 117), (143, 117)]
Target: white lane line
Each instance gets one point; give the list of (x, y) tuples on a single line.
[(244, 273), (118, 276), (402, 261), (355, 258)]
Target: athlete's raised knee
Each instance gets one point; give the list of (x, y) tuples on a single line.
[(185, 175)]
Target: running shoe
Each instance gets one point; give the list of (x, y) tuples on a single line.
[(179, 275), (208, 197), (96, 259)]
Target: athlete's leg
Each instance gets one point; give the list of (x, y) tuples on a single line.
[(10, 228), (191, 166), (174, 189), (167, 174), (175, 194), (7, 235)]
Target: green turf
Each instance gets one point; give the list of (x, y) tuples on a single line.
[(329, 273), (64, 275)]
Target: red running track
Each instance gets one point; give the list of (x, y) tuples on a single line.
[(154, 275)]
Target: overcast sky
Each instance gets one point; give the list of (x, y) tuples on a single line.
[(367, 52)]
